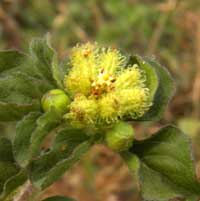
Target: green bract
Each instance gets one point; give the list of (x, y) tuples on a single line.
[(91, 99)]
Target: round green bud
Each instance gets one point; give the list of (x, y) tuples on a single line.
[(120, 136), (55, 98)]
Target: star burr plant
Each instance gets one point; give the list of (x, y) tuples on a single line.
[(62, 109)]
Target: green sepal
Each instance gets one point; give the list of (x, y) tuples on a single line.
[(166, 159)]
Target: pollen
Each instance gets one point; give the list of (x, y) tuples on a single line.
[(104, 83)]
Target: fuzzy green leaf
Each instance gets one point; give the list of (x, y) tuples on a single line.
[(67, 149), (16, 98), (163, 94), (42, 56), (58, 198), (166, 160), (12, 183), (24, 130), (15, 111), (21, 83), (16, 79), (10, 59), (30, 134), (8, 167), (46, 61)]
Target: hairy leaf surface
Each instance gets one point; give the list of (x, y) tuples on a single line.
[(166, 166)]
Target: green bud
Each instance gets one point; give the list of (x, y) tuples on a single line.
[(120, 136), (55, 98)]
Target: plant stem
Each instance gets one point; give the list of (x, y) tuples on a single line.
[(27, 193)]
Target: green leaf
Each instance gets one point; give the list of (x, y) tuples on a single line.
[(8, 167), (164, 93), (166, 160), (22, 140), (12, 183), (46, 60), (68, 147), (19, 83), (60, 70), (6, 150), (18, 74), (16, 98), (161, 87), (30, 133), (10, 59), (58, 198), (15, 111)]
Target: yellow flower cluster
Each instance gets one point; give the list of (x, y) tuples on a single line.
[(103, 88)]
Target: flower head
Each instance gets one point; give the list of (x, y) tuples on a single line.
[(103, 89)]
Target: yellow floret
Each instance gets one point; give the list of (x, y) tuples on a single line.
[(129, 78), (83, 71), (134, 101), (110, 60), (77, 82), (108, 108), (83, 110)]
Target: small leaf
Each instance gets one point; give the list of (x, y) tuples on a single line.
[(22, 142), (163, 94), (166, 160), (16, 98), (45, 124), (60, 70), (21, 83), (12, 183), (68, 147), (10, 59), (8, 167), (18, 74), (15, 111), (46, 60), (6, 150), (58, 198), (30, 134)]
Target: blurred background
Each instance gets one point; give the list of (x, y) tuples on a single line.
[(166, 29)]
